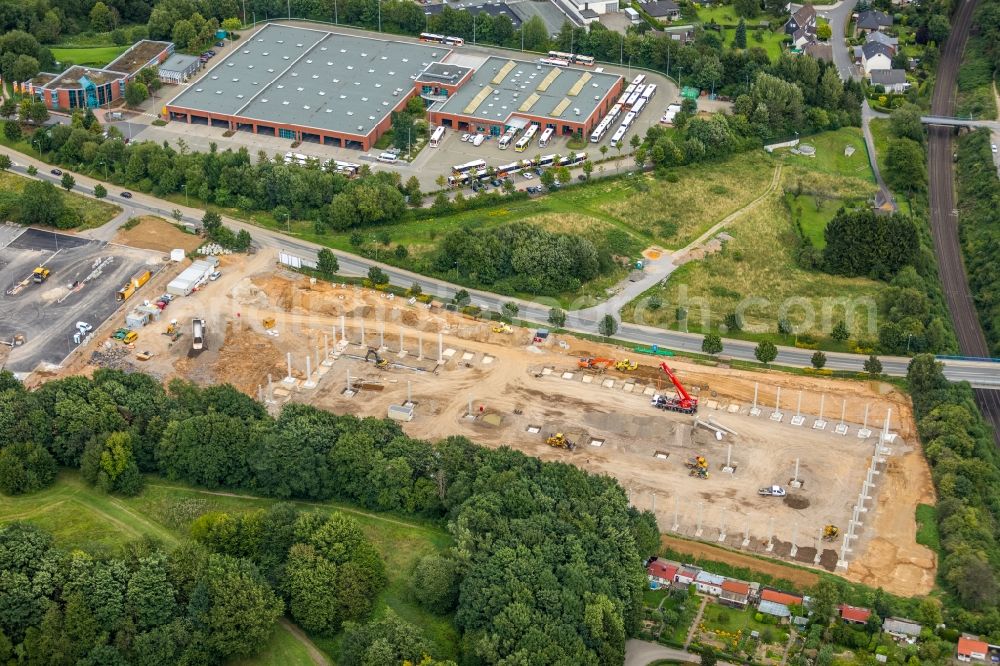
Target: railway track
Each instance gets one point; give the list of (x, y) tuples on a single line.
[(944, 215)]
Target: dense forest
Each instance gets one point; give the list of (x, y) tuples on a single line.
[(519, 524), (978, 198), (966, 471)]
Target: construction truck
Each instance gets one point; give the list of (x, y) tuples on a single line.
[(134, 282), (40, 274), (595, 363), (698, 462), (197, 334), (682, 403), (698, 472), (502, 328), (268, 323), (15, 341), (560, 441), (626, 365), (373, 356), (830, 532), (772, 491)]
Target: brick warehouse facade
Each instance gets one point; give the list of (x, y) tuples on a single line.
[(280, 83)]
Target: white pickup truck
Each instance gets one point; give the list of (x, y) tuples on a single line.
[(772, 491)]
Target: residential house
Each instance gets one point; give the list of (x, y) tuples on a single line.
[(680, 33), (971, 649), (872, 20), (773, 602), (902, 628), (805, 17), (875, 56), (709, 583), (891, 80), (666, 10), (819, 51), (882, 38), (686, 574), (803, 37), (854, 614), (735, 593), (660, 572)]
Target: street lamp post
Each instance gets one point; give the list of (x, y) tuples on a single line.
[(186, 195), (379, 2)]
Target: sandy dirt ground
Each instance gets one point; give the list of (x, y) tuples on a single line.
[(519, 393), (155, 233)]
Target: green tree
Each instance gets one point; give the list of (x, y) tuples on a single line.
[(535, 34), (24, 468), (184, 34), (238, 608), (435, 583), (708, 657), (313, 590), (905, 123), (740, 38), (608, 326), (41, 204), (103, 18), (67, 181), (906, 170), (840, 332), (136, 93), (557, 317), (100, 191), (389, 640), (5, 162), (824, 31), (873, 366), (818, 360), (231, 25), (711, 344), (401, 252), (150, 596), (765, 352), (12, 130), (863, 243), (510, 309), (327, 263), (377, 275), (211, 222)]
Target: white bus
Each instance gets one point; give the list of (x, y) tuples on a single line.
[(639, 79), (504, 142), (629, 118), (633, 98), (614, 112), (546, 136), (508, 169), (546, 160), (441, 39), (349, 169), (470, 166), (559, 55), (586, 61), (619, 134), (600, 131), (573, 160), (556, 62), (648, 93), (525, 140), (437, 136), (638, 106)]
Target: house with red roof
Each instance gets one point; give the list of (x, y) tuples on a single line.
[(773, 602), (735, 593), (661, 572), (854, 614), (970, 649)]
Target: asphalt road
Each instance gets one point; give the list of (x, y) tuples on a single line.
[(643, 653), (978, 373), (944, 215)]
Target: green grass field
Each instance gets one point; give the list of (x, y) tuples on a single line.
[(283, 649), (772, 40), (975, 82), (927, 527), (81, 517), (831, 157), (90, 56), (94, 213), (731, 620)]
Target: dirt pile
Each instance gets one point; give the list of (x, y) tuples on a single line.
[(155, 233), (245, 359)]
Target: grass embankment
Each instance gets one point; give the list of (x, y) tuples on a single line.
[(759, 262), (975, 82), (80, 517), (88, 56), (93, 212)]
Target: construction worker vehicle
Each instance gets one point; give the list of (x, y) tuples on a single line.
[(830, 532), (560, 441), (699, 472), (173, 331), (682, 403), (119, 334), (373, 356), (268, 323), (15, 341), (698, 462), (626, 365), (772, 491), (197, 334), (130, 337), (134, 282), (502, 328), (40, 274), (595, 363)]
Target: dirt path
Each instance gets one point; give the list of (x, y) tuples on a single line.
[(695, 622), (801, 578), (315, 653)]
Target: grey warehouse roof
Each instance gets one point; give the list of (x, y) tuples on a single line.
[(517, 91), (442, 73), (311, 78)]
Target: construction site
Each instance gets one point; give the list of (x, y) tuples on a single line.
[(806, 469)]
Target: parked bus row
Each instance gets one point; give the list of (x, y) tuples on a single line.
[(602, 127), (631, 88), (441, 39), (572, 58), (349, 169), (465, 174)]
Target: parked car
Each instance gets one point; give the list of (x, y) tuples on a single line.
[(56, 172), (126, 195), (214, 275), (528, 175), (220, 44), (466, 137), (993, 147), (533, 189), (496, 182), (84, 327), (478, 139)]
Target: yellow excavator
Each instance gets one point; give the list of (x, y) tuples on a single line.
[(560, 441), (626, 365), (830, 532), (372, 355), (502, 328)]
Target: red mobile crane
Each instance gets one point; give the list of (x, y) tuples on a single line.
[(683, 403)]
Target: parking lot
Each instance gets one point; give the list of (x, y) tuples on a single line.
[(84, 277)]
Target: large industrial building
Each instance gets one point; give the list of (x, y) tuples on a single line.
[(312, 85), (90, 87)]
